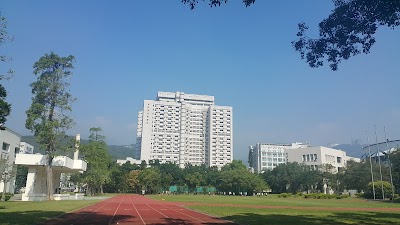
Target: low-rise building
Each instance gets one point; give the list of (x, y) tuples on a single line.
[(319, 155), (266, 156)]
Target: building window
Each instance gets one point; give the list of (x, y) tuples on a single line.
[(6, 146)]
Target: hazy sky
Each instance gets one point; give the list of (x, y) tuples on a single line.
[(126, 51)]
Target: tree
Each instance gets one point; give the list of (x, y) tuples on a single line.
[(387, 189), (94, 134), (348, 31), (150, 179), (5, 108), (48, 115), (98, 172), (133, 180), (7, 173)]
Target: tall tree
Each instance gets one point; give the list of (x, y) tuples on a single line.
[(98, 172), (48, 115), (5, 108), (94, 134)]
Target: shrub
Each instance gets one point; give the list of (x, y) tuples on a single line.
[(284, 195), (7, 196)]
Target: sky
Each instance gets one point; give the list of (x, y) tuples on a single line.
[(126, 51)]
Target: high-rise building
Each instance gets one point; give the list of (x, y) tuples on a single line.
[(185, 128)]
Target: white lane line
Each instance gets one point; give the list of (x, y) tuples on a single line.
[(157, 211), (137, 211), (93, 211), (116, 211), (185, 214)]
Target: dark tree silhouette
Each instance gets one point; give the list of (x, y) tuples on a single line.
[(348, 31)]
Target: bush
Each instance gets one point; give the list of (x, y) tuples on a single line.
[(8, 196), (284, 195)]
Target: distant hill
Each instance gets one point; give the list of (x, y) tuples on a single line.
[(353, 150), (116, 151)]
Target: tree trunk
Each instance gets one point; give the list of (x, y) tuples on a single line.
[(4, 191), (49, 178), (101, 189)]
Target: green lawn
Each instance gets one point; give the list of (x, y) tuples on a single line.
[(312, 215), (18, 213), (273, 200)]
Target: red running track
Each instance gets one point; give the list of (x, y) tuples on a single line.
[(135, 209)]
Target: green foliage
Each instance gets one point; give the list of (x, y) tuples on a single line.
[(348, 31), (292, 177), (98, 169), (150, 180), (47, 117), (5, 108), (387, 189)]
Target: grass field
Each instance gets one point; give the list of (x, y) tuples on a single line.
[(291, 210), (19, 213)]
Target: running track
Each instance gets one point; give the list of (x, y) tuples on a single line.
[(135, 209)]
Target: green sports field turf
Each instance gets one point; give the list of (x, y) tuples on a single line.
[(291, 210)]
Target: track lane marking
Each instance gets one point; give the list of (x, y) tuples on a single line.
[(86, 215), (185, 214), (137, 211), (158, 211), (115, 211)]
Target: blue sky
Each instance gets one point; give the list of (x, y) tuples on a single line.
[(126, 51)]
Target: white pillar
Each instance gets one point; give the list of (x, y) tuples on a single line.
[(77, 142)]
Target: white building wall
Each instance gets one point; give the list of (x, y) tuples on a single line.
[(220, 136), (10, 145), (25, 148), (266, 156), (317, 156), (175, 129)]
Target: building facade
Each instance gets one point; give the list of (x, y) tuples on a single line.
[(317, 156), (266, 156), (185, 128), (10, 142)]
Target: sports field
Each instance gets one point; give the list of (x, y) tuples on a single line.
[(175, 209), (274, 210)]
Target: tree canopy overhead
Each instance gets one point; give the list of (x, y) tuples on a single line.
[(348, 31)]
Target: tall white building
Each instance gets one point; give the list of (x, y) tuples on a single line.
[(185, 128), (266, 156)]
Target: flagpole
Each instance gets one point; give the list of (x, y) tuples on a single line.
[(370, 163), (380, 166), (390, 164)]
